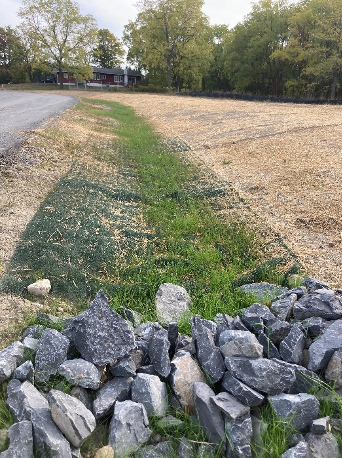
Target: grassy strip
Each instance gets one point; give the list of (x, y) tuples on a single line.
[(132, 220)]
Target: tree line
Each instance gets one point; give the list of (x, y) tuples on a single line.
[(282, 48)]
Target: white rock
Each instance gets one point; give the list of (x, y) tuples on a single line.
[(40, 288)]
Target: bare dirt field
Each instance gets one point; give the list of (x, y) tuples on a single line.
[(285, 160)]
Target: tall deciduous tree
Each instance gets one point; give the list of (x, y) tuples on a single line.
[(63, 36), (12, 57), (109, 51), (168, 40)]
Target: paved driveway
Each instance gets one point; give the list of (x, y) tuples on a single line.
[(21, 112)]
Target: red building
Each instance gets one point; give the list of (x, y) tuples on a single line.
[(106, 77)]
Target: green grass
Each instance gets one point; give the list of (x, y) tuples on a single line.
[(150, 218)]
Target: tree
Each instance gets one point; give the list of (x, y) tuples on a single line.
[(217, 77), (109, 52), (252, 43), (63, 37), (12, 57), (168, 40)]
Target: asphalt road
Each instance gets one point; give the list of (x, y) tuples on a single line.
[(21, 112)]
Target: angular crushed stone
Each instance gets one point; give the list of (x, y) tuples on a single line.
[(71, 416), (150, 391), (172, 302), (10, 357), (129, 428), (261, 374), (51, 352), (81, 373), (21, 441), (23, 399), (118, 389), (101, 335), (48, 439)]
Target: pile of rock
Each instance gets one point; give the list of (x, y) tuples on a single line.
[(128, 371)]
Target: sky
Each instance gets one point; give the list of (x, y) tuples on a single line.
[(115, 14)]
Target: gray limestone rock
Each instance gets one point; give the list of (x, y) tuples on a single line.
[(261, 374), (185, 449), (125, 367), (292, 347), (224, 322), (301, 450), (277, 330), (131, 315), (323, 348), (163, 449), (23, 399), (299, 409), (314, 326), (282, 308), (240, 343), (147, 370), (30, 343), (241, 391), (24, 372), (263, 291), (150, 391), (305, 380), (158, 352), (185, 343), (184, 373), (312, 284), (333, 371), (323, 303), (172, 303), (51, 353), (71, 416), (101, 335), (48, 439), (322, 445), (320, 426), (21, 441), (230, 406), (129, 428), (256, 317), (208, 413), (10, 357), (237, 324), (35, 331), (82, 395), (209, 356), (118, 389), (80, 372), (269, 349), (239, 431)]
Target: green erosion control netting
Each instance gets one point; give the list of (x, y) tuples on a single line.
[(125, 233)]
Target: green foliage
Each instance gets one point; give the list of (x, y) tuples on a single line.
[(12, 57), (168, 41), (57, 33), (109, 51)]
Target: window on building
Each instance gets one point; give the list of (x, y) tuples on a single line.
[(118, 78)]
